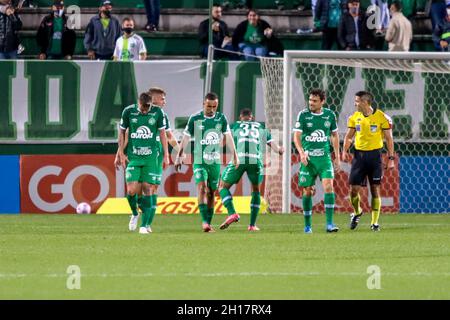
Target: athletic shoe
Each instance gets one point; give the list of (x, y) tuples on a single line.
[(133, 223), (354, 220), (375, 227), (253, 228), (207, 228), (143, 230), (149, 229), (308, 230), (231, 219), (332, 228)]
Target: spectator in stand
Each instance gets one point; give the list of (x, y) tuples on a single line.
[(130, 46), (251, 36), (383, 18), (55, 40), (353, 33), (221, 35), (152, 8), (441, 34), (327, 16), (399, 33), (102, 33), (437, 12), (10, 24)]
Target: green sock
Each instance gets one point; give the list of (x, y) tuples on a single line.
[(203, 207), (227, 200), (254, 207), (210, 214), (355, 203), (307, 210), (146, 205), (139, 201), (376, 207), (329, 199), (153, 205), (132, 202)]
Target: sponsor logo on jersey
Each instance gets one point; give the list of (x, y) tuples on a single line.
[(297, 124), (358, 127), (142, 132), (317, 136), (142, 151), (317, 153), (212, 138)]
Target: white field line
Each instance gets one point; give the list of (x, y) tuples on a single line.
[(224, 274)]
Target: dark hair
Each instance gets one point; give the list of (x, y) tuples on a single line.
[(246, 112), (127, 19), (319, 93), (365, 95), (212, 96), (397, 4), (144, 98), (155, 90), (252, 10)]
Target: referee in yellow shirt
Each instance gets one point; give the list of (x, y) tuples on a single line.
[(368, 125)]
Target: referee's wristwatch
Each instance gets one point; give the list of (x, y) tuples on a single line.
[(391, 158)]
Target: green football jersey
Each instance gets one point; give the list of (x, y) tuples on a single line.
[(316, 129), (250, 138), (207, 135), (143, 133), (167, 127)]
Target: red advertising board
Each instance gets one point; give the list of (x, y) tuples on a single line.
[(57, 183)]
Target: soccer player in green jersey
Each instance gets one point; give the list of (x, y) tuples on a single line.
[(314, 129), (146, 134), (207, 128), (250, 138), (158, 97)]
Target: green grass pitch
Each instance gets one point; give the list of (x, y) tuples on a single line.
[(178, 261)]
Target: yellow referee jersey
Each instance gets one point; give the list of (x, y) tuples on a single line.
[(369, 130)]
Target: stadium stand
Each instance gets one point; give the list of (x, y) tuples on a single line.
[(177, 37)]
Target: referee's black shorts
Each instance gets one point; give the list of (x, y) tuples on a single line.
[(366, 164)]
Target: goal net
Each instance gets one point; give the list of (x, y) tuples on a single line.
[(412, 88)]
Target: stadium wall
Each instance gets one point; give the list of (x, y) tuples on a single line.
[(73, 108)]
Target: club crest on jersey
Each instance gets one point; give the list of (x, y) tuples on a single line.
[(152, 121), (142, 132), (212, 138), (218, 127), (373, 128), (327, 124), (317, 136)]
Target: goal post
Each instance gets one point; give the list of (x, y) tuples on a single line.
[(406, 84)]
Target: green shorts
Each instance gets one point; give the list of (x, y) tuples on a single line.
[(209, 173), (150, 172), (231, 175), (317, 166)]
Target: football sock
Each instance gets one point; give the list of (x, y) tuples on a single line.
[(376, 206), (355, 203), (203, 212), (307, 210), (146, 204), (139, 201), (227, 200), (329, 199), (132, 202), (210, 214), (254, 207), (153, 205)]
